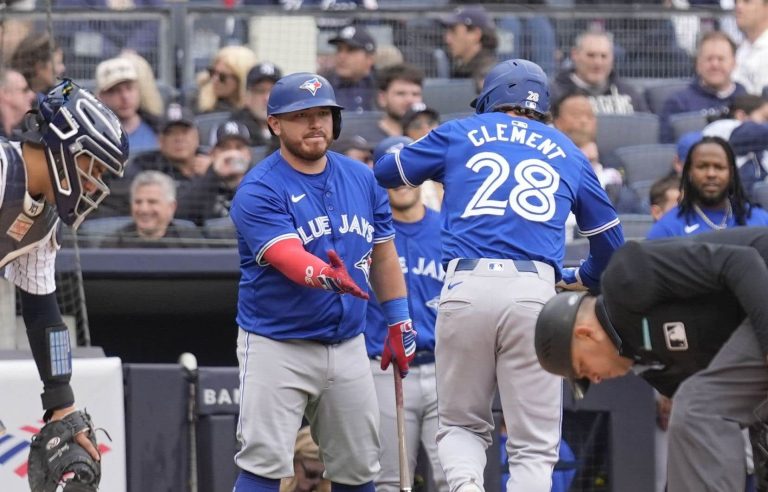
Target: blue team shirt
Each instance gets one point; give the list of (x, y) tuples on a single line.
[(671, 224), (418, 246), (142, 139), (510, 184), (342, 209)]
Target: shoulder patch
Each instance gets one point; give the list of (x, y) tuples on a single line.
[(675, 336)]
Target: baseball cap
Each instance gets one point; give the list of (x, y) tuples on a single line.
[(356, 37), (416, 110), (176, 114), (262, 71), (111, 72), (232, 129), (390, 145), (346, 143), (685, 143), (470, 16)]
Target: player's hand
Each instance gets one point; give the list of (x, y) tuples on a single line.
[(399, 345), (336, 278), (571, 280)]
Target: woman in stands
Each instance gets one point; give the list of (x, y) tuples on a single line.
[(222, 88)]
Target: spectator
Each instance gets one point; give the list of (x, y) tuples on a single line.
[(353, 77), (118, 87), (471, 39), (222, 87), (624, 198), (386, 56), (712, 195), (150, 99), (356, 147), (419, 120), (573, 115), (593, 72), (684, 145), (399, 88), (39, 60), (751, 68), (179, 156), (259, 82), (210, 195), (15, 100), (153, 204), (711, 90), (664, 195), (743, 108)]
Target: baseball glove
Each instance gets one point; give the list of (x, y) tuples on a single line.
[(55, 457)]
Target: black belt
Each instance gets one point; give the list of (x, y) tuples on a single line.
[(468, 265)]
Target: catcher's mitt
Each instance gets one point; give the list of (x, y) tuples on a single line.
[(55, 458)]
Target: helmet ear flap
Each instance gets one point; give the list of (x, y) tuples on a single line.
[(33, 127), (336, 114)]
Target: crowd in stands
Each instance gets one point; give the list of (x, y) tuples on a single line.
[(207, 138)]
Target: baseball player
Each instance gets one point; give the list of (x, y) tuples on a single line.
[(712, 196), (690, 315), (55, 174), (417, 240), (510, 182), (301, 215)]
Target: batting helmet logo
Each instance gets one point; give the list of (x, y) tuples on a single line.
[(312, 85)]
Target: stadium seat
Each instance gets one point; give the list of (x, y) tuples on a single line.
[(617, 130), (635, 226), (207, 124), (645, 162), (92, 231), (683, 123), (365, 124), (455, 116), (219, 228), (657, 94), (449, 95), (760, 194)]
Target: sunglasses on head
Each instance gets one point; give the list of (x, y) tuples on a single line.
[(223, 77)]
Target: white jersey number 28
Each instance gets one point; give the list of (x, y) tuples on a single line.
[(533, 198)]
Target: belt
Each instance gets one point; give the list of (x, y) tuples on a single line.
[(523, 266), (422, 357)]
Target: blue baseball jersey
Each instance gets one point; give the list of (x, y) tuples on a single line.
[(672, 224), (418, 246), (340, 208), (510, 184)]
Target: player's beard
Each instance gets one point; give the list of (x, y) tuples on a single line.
[(307, 152), (709, 200)]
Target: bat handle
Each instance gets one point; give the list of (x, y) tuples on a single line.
[(405, 474)]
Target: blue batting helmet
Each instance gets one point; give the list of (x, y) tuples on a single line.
[(304, 90), (390, 145), (71, 122), (517, 83)]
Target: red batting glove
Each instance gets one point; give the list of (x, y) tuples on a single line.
[(399, 345), (336, 278)]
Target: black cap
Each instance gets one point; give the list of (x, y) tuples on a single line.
[(344, 144), (232, 129), (415, 110), (262, 71), (554, 335), (470, 16), (176, 114), (356, 37)]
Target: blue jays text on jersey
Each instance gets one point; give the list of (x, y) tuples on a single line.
[(674, 224), (496, 167), (418, 246), (340, 208)]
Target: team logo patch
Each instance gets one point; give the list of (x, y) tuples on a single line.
[(53, 443), (312, 85), (20, 227), (364, 264), (674, 334), (496, 267)]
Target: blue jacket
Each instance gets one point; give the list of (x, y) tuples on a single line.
[(695, 97)]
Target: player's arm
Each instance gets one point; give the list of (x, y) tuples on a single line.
[(302, 267), (680, 268), (388, 284), (415, 163)]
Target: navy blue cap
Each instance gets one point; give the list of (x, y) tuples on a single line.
[(356, 37)]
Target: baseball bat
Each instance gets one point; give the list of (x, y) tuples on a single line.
[(405, 474)]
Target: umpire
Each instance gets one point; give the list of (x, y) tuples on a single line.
[(690, 314)]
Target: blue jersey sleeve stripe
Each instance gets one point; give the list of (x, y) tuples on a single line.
[(259, 257), (379, 240), (600, 229), (401, 171)]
